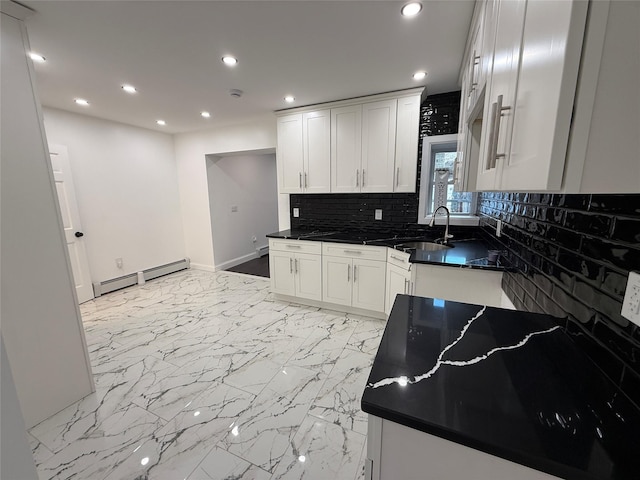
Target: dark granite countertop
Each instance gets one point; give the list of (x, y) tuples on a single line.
[(466, 253), (511, 384)]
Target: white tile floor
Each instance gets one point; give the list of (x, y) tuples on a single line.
[(204, 376)]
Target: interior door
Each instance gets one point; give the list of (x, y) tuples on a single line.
[(71, 222)]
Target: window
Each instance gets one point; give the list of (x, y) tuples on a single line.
[(436, 182)]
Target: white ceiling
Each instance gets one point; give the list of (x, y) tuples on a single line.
[(318, 51)]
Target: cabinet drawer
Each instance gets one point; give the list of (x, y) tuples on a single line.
[(398, 258), (295, 246), (355, 251)]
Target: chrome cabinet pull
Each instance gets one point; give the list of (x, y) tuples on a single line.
[(499, 110), (348, 273), (397, 258), (306, 180), (291, 265), (357, 178), (294, 246), (295, 262), (398, 177), (356, 252), (363, 177), (354, 272), (492, 125), (300, 178)]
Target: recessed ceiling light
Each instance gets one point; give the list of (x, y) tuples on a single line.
[(411, 9), (162, 123), (129, 88), (205, 114), (289, 98), (81, 101), (419, 75), (229, 60), (37, 58)]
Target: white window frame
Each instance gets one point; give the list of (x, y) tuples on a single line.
[(431, 143)]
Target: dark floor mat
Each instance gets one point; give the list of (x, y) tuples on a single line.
[(257, 266)]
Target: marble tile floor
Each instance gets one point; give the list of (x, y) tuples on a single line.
[(205, 376)]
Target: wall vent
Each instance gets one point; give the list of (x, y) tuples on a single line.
[(100, 288)]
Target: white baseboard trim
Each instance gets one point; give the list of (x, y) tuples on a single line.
[(236, 261), (262, 251), (203, 267), (331, 306)]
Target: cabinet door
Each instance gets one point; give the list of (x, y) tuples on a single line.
[(317, 159), (397, 282), (308, 272), (369, 284), (407, 133), (501, 93), (378, 146), (289, 153), (551, 48), (336, 280), (281, 271), (346, 148)]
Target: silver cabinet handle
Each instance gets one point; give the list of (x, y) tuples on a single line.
[(357, 178), (295, 262), (499, 110), (398, 177), (397, 258), (490, 147), (363, 177), (300, 178), (291, 265), (294, 246), (356, 252), (354, 272), (305, 180), (348, 273)]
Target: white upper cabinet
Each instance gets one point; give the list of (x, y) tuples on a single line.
[(518, 93), (346, 148), (290, 154), (551, 46), (317, 159), (407, 136), (378, 146), (362, 145)]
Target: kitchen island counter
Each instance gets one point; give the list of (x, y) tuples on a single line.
[(510, 384)]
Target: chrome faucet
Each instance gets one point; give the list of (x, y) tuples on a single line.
[(446, 228)]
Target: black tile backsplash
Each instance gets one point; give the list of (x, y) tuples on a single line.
[(574, 253), (351, 211)]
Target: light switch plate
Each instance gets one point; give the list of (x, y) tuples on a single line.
[(378, 215), (631, 303), (296, 212)]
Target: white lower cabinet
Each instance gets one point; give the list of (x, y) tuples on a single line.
[(354, 282), (399, 279), (397, 451), (295, 272)]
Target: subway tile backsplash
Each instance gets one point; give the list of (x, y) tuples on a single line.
[(573, 254)]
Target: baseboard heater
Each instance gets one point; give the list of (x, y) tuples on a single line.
[(100, 288)]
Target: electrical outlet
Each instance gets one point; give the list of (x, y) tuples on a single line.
[(234, 208), (631, 302), (254, 239), (378, 214), (296, 212), (498, 228), (119, 262)]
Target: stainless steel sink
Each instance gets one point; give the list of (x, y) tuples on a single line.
[(428, 246)]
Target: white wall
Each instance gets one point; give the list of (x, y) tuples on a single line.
[(127, 190), (15, 454), (41, 323), (191, 149), (250, 184)]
